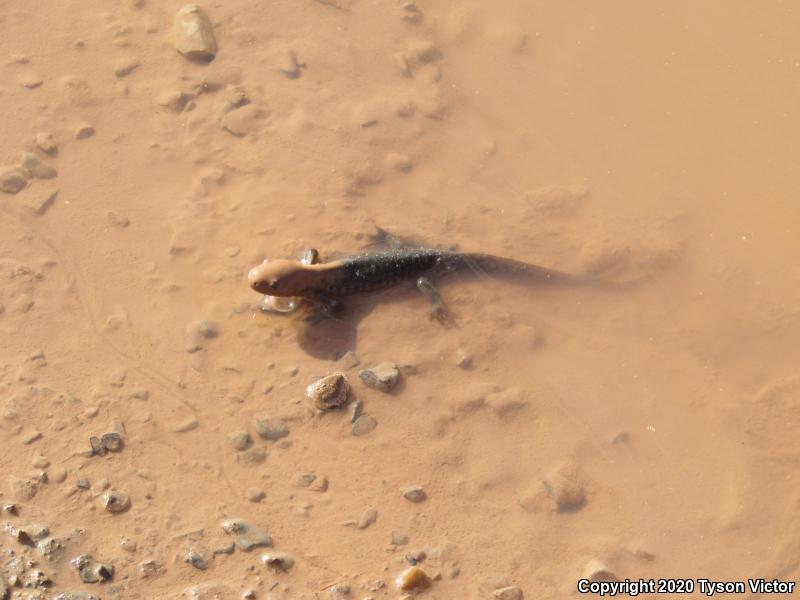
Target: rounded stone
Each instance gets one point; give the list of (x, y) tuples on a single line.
[(115, 501)]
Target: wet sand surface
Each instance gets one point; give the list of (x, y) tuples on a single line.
[(651, 429)]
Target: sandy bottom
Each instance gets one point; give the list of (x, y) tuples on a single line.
[(556, 433)]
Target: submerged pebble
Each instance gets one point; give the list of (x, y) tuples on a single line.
[(240, 440), (255, 494), (381, 377), (271, 428), (91, 570), (83, 131), (565, 490), (363, 425), (242, 120), (37, 167), (253, 456), (46, 142), (277, 561), (198, 331), (289, 65), (413, 493), (367, 518), (115, 501), (246, 535), (12, 179), (199, 557)]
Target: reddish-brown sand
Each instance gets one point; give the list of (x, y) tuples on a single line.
[(623, 139)]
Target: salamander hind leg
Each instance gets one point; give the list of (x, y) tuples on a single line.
[(438, 310)]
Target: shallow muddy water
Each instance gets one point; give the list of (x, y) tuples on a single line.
[(556, 432)]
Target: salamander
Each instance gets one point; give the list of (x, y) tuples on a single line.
[(326, 283)]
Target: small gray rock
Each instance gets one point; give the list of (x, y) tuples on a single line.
[(363, 425), (150, 567), (240, 440), (185, 425), (92, 571), (12, 179), (399, 538), (242, 120), (277, 561), (253, 456), (565, 490), (46, 143), (271, 428), (255, 494), (197, 331), (226, 549), (199, 557), (83, 131), (173, 100), (367, 518), (125, 66), (303, 480), (413, 493), (37, 167), (246, 535), (111, 441), (463, 359), (356, 408), (510, 592), (115, 501), (289, 65), (381, 377)]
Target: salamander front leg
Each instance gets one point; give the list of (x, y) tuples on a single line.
[(438, 310)]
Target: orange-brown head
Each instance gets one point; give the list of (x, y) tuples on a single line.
[(281, 278)]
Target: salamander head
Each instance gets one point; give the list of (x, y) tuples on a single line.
[(280, 278)]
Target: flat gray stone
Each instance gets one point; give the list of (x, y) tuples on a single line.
[(413, 493), (246, 535), (37, 167), (363, 425), (271, 428), (381, 377), (91, 570), (12, 179)]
